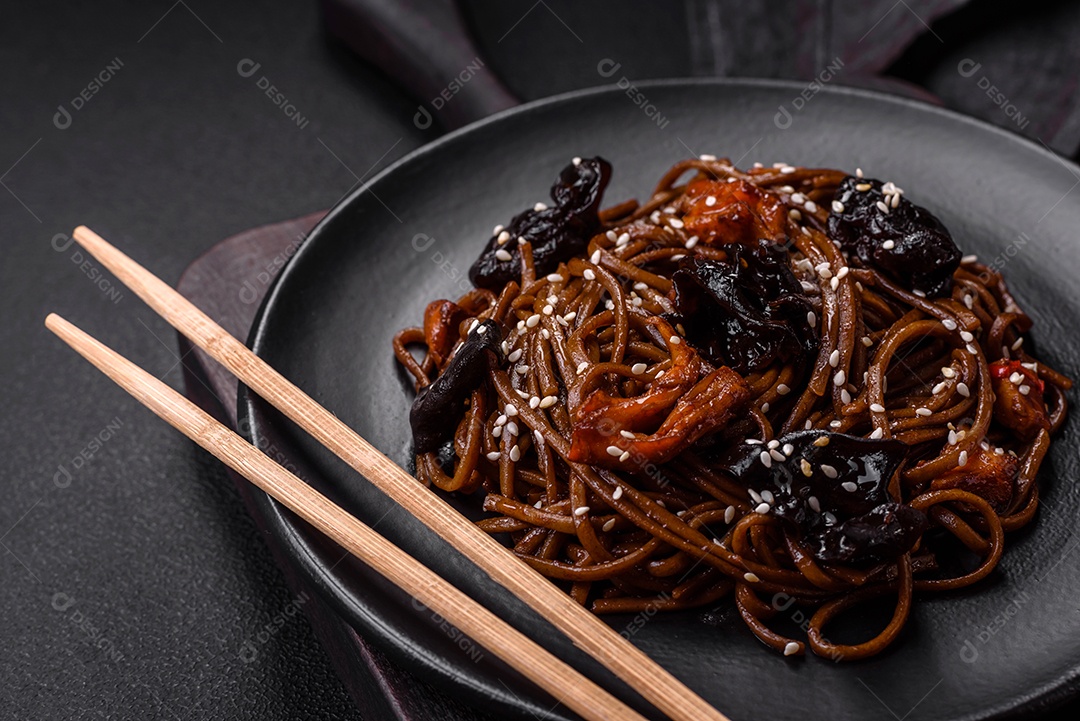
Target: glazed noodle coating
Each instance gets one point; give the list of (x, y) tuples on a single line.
[(607, 431)]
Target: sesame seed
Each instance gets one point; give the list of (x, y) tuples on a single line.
[(548, 401), (1016, 377), (878, 433), (811, 206), (845, 397), (858, 172), (766, 459), (835, 282), (521, 370), (581, 510), (707, 158), (638, 368), (624, 239), (595, 257), (963, 459), (888, 245), (534, 401), (765, 407), (834, 358), (777, 456), (691, 242), (969, 259), (969, 301), (497, 431), (751, 577), (754, 496), (762, 508), (515, 453), (675, 223), (966, 336), (515, 356), (502, 254), (814, 503), (849, 486), (729, 514), (589, 274), (939, 387), (544, 332), (895, 201), (811, 318), (791, 648), (794, 214), (821, 441), (773, 444), (618, 493), (783, 389), (798, 198), (877, 408), (863, 187), (787, 170), (829, 470), (532, 321), (767, 496), (582, 366), (837, 206), (842, 273), (674, 340), (949, 324), (497, 229), (576, 160), (494, 456), (840, 378), (809, 424), (539, 206), (1024, 389), (948, 372), (710, 201), (805, 467), (625, 455), (867, 341), (626, 434), (1019, 342), (924, 412), (609, 524), (555, 278), (614, 451)]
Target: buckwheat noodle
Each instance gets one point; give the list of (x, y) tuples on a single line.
[(683, 534)]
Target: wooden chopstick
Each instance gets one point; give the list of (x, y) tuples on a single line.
[(587, 631), (557, 678)]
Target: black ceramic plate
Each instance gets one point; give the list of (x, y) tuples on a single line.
[(1009, 646)]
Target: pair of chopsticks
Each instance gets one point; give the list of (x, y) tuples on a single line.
[(587, 632)]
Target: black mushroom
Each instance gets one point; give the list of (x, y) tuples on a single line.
[(833, 489), (439, 406), (556, 234), (890, 233), (746, 312)]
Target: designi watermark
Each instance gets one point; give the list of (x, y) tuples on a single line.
[(607, 68), (63, 476), (968, 68), (784, 117), (63, 117), (423, 117), (247, 68)]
